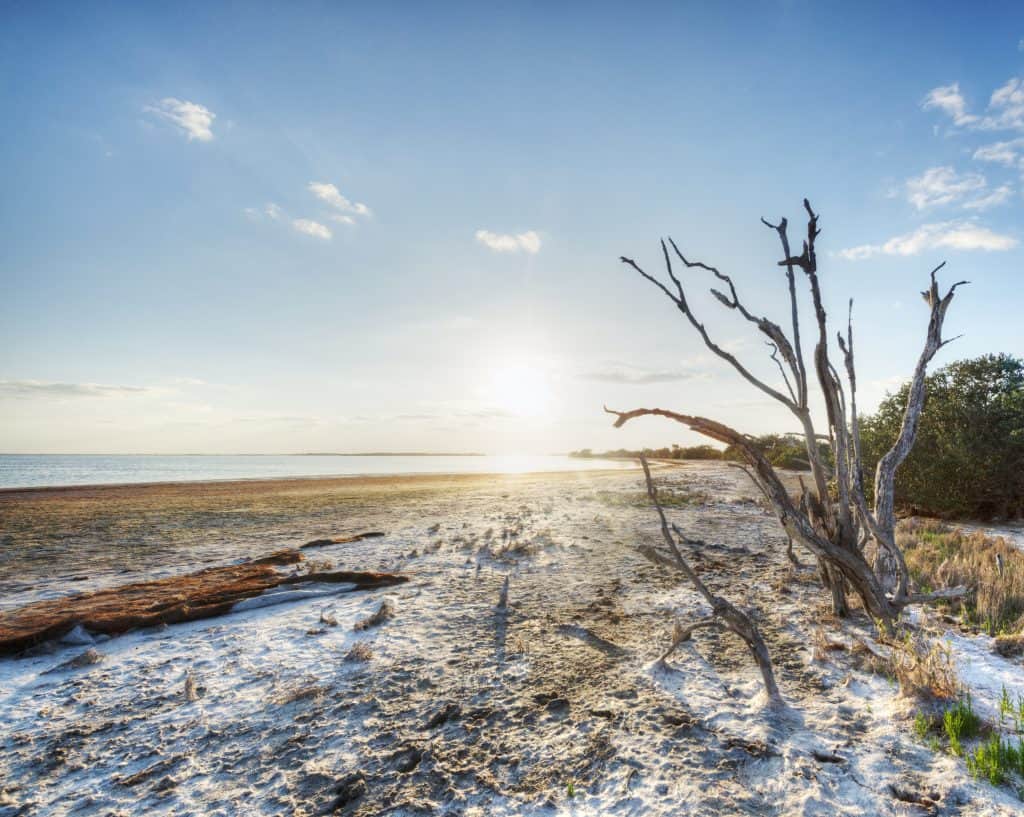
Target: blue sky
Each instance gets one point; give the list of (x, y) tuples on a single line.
[(331, 226)]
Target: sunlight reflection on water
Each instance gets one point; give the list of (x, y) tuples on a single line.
[(35, 470)]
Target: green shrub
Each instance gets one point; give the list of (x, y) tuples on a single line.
[(969, 456)]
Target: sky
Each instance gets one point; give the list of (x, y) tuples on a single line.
[(274, 228)]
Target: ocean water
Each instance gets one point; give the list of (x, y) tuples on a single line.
[(38, 470)]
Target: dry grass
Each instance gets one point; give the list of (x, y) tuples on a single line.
[(940, 556), (301, 692), (922, 667), (360, 652), (822, 645), (384, 612)]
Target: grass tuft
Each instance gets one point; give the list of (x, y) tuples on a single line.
[(961, 723)]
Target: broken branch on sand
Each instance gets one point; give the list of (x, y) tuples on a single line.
[(723, 611)]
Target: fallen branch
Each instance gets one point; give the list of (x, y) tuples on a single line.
[(730, 616)]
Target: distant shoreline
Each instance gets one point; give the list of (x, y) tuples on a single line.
[(285, 454)]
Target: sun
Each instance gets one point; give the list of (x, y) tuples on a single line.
[(520, 389)]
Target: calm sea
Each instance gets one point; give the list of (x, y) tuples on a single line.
[(33, 470)]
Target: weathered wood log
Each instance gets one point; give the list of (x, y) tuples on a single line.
[(204, 594)]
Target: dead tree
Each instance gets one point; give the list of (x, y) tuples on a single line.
[(855, 544), (724, 614)]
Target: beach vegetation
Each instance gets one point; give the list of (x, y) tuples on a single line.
[(970, 444), (992, 570)]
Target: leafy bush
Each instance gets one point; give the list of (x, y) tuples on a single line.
[(969, 456)]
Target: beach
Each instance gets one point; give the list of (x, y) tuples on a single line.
[(453, 702)]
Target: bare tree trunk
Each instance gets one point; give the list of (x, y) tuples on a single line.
[(834, 532)]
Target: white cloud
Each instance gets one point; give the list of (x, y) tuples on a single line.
[(1007, 153), (1000, 195), (338, 217), (331, 195), (637, 376), (1005, 107), (272, 211), (39, 388), (313, 228), (949, 100), (942, 185), (194, 119), (954, 235), (528, 242), (1007, 104)]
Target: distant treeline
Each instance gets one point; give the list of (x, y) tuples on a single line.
[(783, 451)]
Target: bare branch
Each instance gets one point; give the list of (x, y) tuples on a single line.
[(730, 616), (885, 474), (847, 560), (770, 329), (682, 305), (782, 371), (939, 595)]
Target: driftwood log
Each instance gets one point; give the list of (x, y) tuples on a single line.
[(204, 594)]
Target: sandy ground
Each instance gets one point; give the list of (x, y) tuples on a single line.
[(557, 706)]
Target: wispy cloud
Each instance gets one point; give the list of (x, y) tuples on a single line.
[(949, 100), (636, 376), (954, 235), (1005, 109), (942, 185), (330, 194), (1000, 195), (528, 242), (193, 119), (312, 228), (38, 388), (1009, 153), (1007, 106)]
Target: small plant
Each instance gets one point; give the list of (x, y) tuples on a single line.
[(960, 722), (1005, 706), (923, 668), (994, 758), (570, 789), (922, 725)]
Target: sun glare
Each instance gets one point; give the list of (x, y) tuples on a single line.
[(520, 389)]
